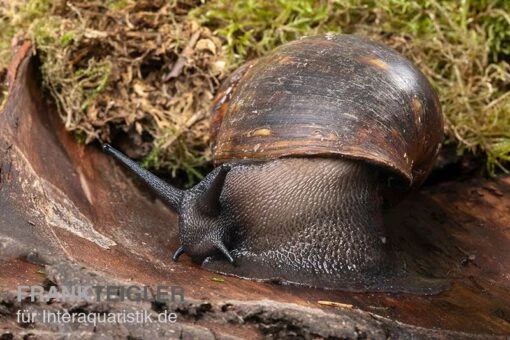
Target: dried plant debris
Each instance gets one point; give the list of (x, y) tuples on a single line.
[(143, 73), (139, 72)]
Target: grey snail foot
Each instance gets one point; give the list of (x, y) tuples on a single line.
[(395, 281)]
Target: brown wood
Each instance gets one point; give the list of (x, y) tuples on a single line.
[(68, 213)]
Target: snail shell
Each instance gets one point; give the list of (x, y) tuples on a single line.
[(330, 96)]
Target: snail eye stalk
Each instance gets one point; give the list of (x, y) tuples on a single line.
[(171, 195)]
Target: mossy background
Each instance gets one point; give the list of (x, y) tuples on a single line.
[(463, 47)]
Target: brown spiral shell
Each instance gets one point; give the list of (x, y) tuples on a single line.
[(330, 95)]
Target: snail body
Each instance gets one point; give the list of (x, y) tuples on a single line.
[(306, 141)]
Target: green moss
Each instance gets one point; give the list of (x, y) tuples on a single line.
[(5, 43), (92, 80), (15, 18), (66, 39), (463, 47), (104, 82), (107, 77), (494, 19), (252, 28), (182, 158), (44, 33), (74, 86), (29, 11), (80, 137), (117, 4)]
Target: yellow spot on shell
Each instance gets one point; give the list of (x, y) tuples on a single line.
[(261, 132), (417, 106), (376, 62), (236, 108), (287, 60)]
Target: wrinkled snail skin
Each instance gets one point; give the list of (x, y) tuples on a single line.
[(313, 221), (305, 142)]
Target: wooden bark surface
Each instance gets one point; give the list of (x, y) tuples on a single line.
[(69, 214)]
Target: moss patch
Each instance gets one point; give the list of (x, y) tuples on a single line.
[(143, 73), (463, 47), (140, 73)]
